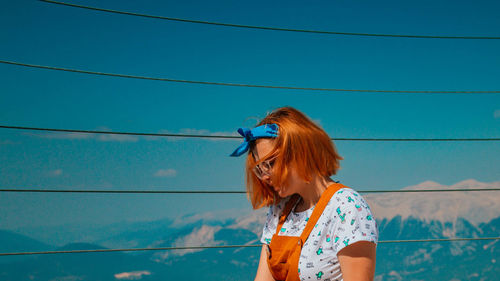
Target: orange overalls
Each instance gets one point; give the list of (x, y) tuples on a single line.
[(284, 251)]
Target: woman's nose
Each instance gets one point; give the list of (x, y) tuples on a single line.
[(266, 179)]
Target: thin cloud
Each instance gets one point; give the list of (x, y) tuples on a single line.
[(317, 122), (109, 138), (87, 136), (55, 173), (165, 173), (119, 138), (496, 114), (209, 133), (62, 136), (131, 138), (133, 275), (190, 131), (203, 236)]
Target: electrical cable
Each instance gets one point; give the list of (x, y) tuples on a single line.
[(218, 191), (269, 28), (243, 85), (226, 246), (214, 136), (235, 137)]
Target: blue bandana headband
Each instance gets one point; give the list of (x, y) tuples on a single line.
[(264, 131)]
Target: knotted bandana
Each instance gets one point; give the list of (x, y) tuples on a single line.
[(264, 131)]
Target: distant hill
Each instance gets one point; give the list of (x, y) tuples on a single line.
[(465, 260), (412, 216), (476, 207), (82, 266), (12, 242)]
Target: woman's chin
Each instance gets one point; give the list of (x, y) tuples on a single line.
[(282, 193)]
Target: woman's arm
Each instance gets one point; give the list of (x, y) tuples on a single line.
[(263, 272), (357, 261)]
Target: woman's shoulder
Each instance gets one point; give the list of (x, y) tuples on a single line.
[(346, 192), (349, 198)]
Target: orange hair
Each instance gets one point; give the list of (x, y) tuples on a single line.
[(300, 144)]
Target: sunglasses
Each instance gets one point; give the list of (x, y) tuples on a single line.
[(264, 168)]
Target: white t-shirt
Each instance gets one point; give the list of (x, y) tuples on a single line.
[(345, 220)]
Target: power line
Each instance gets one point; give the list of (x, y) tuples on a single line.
[(217, 191), (243, 85), (225, 246), (215, 136), (269, 28), (123, 133), (127, 250), (125, 191), (430, 190), (441, 240)]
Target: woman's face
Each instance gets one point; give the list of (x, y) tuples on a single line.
[(292, 184)]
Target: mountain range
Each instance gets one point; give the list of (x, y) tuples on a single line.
[(474, 206), (425, 216)]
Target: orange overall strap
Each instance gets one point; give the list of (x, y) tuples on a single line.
[(318, 210), (286, 211)]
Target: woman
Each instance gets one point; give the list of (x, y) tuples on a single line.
[(316, 229)]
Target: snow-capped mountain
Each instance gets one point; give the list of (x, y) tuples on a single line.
[(464, 260), (400, 216), (474, 206)]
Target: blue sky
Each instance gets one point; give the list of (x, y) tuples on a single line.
[(39, 33)]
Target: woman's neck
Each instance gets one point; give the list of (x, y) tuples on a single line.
[(311, 192)]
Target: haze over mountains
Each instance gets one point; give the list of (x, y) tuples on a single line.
[(475, 206), (416, 216)]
